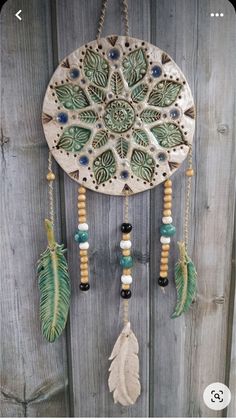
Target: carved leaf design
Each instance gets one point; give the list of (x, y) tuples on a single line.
[(134, 67), (100, 139), (142, 164), (74, 138), (116, 83), (122, 147), (150, 115), (72, 96), (141, 137), (164, 93), (139, 92), (167, 135), (97, 95), (89, 117), (104, 167), (96, 68)]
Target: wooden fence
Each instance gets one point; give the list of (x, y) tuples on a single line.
[(180, 357)]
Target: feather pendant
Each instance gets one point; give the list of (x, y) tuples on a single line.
[(185, 280), (124, 370), (54, 286)]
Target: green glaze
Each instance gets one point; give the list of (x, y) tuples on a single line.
[(89, 117), (126, 261), (142, 165), (74, 138), (119, 116), (72, 96), (54, 286), (122, 147), (139, 92), (100, 139), (150, 115), (96, 68), (140, 137), (134, 67), (167, 230), (167, 135), (97, 94), (81, 236), (116, 83), (164, 93), (104, 167)]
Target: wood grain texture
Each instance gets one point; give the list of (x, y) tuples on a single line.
[(96, 317), (178, 358), (189, 353), (33, 372)]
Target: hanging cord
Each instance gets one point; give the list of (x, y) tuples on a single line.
[(126, 220), (124, 13), (189, 173), (50, 178)]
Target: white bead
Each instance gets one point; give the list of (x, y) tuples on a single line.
[(125, 244), (167, 220), (126, 279), (83, 227), (165, 240), (84, 246)]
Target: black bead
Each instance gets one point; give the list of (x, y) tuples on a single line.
[(125, 294), (84, 287), (163, 282), (126, 227)]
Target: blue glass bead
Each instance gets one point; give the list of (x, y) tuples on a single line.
[(126, 261), (114, 54), (84, 160), (62, 118), (162, 157), (81, 236), (156, 71), (167, 230), (124, 174), (174, 113), (74, 73)]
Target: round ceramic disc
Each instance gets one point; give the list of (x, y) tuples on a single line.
[(118, 115)]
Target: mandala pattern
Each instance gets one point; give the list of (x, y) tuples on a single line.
[(112, 108)]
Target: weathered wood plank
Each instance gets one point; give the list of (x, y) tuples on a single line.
[(33, 372), (189, 353), (96, 316)]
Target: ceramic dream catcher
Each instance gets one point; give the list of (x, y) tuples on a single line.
[(118, 116)]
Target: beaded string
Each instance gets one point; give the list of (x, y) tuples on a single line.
[(166, 230), (124, 13), (126, 260), (50, 178), (81, 237), (189, 173)]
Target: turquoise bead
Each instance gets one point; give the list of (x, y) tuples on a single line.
[(167, 230), (126, 261), (81, 236)]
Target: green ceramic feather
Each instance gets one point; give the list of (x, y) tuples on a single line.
[(54, 286), (185, 280)]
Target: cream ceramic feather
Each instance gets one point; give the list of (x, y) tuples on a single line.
[(124, 370)]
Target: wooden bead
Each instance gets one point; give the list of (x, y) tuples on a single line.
[(126, 236), (168, 183), (84, 279), (164, 260), (165, 247), (189, 172), (165, 254), (83, 252), (167, 198), (163, 274), (167, 212), (167, 205), (82, 219), (127, 271), (82, 190), (83, 266), (84, 259), (81, 205), (81, 198), (126, 252), (164, 267), (84, 272), (168, 191), (50, 176), (82, 211), (125, 286)]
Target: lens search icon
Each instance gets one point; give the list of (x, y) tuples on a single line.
[(217, 396)]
